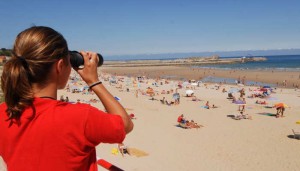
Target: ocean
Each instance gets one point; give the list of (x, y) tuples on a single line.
[(280, 62)]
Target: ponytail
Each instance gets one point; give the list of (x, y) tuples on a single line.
[(16, 87)]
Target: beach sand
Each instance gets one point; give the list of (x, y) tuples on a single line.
[(263, 143), (275, 77)]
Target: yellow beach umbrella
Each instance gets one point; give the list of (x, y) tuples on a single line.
[(281, 105), (298, 122)]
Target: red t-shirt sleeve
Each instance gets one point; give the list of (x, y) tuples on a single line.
[(103, 127)]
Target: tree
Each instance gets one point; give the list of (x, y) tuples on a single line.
[(5, 52)]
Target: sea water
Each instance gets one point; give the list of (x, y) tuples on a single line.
[(280, 62)]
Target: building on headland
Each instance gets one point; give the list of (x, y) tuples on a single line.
[(252, 59)]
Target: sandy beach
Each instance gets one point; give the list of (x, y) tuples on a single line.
[(276, 77), (157, 143)]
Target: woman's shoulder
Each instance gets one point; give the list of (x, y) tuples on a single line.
[(74, 107)]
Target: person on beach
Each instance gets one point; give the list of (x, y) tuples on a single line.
[(242, 106), (39, 132), (67, 99), (195, 99), (242, 116), (193, 124), (207, 105), (62, 98), (181, 119), (123, 149), (176, 97), (280, 110)]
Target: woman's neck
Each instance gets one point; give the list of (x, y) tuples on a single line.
[(49, 91)]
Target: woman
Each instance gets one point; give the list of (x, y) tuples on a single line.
[(38, 132)]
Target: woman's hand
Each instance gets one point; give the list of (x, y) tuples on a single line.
[(89, 72)]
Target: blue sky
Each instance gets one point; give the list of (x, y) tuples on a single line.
[(119, 27)]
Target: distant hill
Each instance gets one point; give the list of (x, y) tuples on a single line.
[(219, 53)]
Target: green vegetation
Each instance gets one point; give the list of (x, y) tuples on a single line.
[(5, 52)]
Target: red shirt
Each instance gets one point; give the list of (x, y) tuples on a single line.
[(179, 119), (60, 137)]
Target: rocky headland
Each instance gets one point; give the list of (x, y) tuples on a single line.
[(184, 61)]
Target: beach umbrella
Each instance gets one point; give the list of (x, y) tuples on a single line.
[(189, 92), (298, 122), (281, 105)]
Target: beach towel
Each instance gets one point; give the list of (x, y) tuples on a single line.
[(136, 152), (114, 151)]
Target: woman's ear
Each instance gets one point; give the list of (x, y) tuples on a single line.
[(59, 66)]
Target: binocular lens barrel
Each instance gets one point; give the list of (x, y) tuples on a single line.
[(76, 59)]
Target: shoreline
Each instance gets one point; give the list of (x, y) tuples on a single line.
[(279, 78)]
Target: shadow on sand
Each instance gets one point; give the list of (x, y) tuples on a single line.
[(292, 137), (267, 114)]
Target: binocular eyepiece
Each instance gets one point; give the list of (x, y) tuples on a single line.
[(77, 60)]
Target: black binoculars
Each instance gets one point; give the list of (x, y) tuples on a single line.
[(77, 60)]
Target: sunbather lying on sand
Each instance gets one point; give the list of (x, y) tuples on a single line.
[(242, 116), (184, 123), (193, 124), (214, 106), (195, 99), (261, 102)]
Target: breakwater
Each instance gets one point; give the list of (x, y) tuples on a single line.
[(184, 61)]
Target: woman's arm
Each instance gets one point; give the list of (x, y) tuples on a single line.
[(113, 106), (90, 76)]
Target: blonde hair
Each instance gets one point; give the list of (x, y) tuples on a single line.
[(35, 50)]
